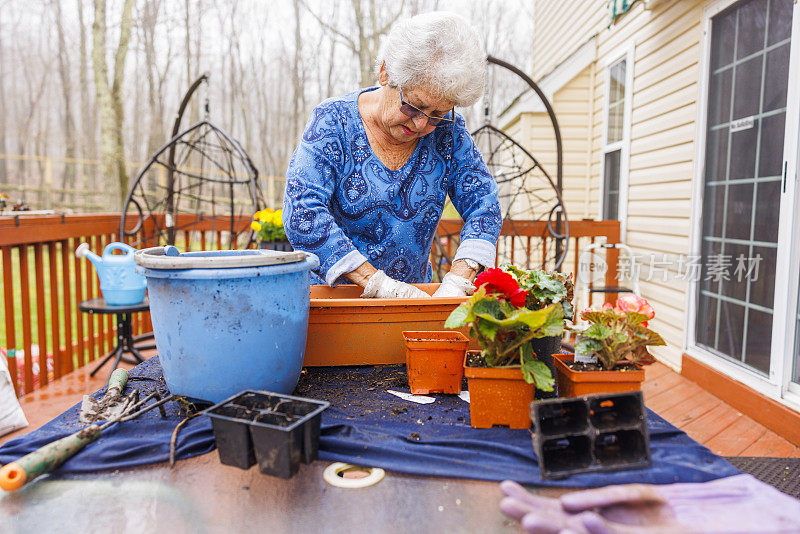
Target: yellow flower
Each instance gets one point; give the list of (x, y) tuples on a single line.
[(256, 226), (265, 215)]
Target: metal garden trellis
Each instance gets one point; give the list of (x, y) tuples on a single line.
[(528, 194), (201, 174)]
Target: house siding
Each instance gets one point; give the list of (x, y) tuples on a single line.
[(666, 70)]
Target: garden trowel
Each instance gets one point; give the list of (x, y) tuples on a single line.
[(112, 404)]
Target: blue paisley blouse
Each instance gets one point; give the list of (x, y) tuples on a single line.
[(344, 205)]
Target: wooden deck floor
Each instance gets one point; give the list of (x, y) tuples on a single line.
[(683, 403), (708, 420)]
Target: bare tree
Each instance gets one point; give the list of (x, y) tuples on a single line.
[(298, 72), (88, 119), (109, 98), (67, 123), (156, 78), (61, 84), (3, 116), (372, 22)]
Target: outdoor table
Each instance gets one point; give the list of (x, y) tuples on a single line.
[(125, 338), (201, 495)]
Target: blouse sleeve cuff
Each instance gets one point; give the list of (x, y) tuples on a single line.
[(350, 262), (480, 250)]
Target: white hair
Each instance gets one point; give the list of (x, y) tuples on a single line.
[(439, 51)]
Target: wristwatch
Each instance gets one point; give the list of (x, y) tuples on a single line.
[(472, 264)]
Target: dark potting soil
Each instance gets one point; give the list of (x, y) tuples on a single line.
[(361, 393), (578, 366), (475, 359)]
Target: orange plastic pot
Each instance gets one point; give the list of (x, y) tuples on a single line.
[(498, 396), (576, 383), (344, 329), (435, 361)]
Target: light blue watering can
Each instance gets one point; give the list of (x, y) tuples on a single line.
[(120, 285)]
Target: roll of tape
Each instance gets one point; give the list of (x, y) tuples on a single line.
[(332, 477)]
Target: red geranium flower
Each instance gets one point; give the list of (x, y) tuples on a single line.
[(499, 281)]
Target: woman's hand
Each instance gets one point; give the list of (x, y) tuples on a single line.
[(458, 282), (382, 286), (454, 286)]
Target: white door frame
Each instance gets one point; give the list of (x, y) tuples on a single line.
[(789, 230), (777, 383), (625, 52)]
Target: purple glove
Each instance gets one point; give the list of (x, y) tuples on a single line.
[(739, 503)]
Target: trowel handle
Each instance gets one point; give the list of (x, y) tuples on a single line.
[(117, 380), (45, 459)]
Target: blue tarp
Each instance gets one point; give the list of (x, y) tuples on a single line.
[(366, 425)]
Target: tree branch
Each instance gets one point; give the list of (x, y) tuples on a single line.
[(350, 43)]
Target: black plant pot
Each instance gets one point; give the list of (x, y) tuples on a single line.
[(603, 432), (544, 348), (276, 431), (282, 246)]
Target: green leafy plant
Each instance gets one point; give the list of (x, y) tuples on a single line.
[(498, 318), (619, 333), (545, 288)]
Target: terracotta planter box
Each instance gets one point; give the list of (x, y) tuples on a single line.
[(576, 383), (344, 329), (435, 361), (498, 396)]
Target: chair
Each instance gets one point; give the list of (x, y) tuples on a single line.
[(587, 284)]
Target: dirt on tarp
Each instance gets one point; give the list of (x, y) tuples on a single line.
[(361, 392)]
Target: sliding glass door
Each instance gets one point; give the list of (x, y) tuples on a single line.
[(746, 128)]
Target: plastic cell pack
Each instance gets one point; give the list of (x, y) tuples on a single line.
[(603, 432), (274, 430)]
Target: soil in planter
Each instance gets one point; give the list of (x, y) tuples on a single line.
[(579, 366), (475, 359)]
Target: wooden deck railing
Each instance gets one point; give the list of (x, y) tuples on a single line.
[(43, 281), (45, 334), (525, 243)]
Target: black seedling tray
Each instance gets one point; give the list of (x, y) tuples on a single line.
[(604, 432), (276, 431)]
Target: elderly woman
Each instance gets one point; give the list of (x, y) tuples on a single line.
[(367, 185)]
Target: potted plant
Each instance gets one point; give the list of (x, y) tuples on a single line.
[(435, 361), (543, 290), (503, 374), (615, 341), (268, 225)]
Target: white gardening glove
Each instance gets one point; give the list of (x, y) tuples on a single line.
[(381, 286), (454, 286)]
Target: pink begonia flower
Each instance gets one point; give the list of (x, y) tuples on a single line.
[(633, 303), (606, 306)]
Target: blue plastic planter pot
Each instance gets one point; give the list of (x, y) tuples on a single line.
[(226, 321)]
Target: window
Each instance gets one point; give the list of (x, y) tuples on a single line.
[(615, 149)]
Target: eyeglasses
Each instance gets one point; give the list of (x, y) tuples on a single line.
[(412, 112)]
